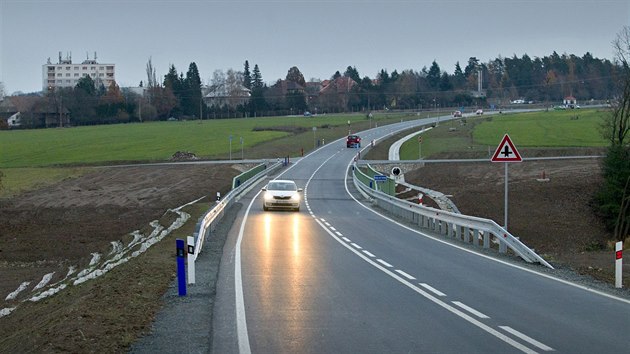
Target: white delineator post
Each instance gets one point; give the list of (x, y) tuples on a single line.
[(618, 263), (191, 259)]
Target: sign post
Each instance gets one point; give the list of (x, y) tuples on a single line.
[(419, 147), (506, 152)]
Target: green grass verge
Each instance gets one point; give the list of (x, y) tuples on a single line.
[(571, 128), (157, 141), (16, 180)]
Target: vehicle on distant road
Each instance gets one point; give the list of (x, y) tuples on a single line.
[(281, 194), (353, 141), (479, 112), (457, 114)]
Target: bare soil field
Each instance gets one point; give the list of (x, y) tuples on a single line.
[(51, 229)]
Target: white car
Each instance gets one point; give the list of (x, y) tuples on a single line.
[(479, 112), (281, 194)]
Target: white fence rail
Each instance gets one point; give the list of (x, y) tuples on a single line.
[(461, 227)]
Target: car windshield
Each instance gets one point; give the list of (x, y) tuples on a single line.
[(281, 186)]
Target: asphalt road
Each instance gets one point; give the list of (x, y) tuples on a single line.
[(338, 277)]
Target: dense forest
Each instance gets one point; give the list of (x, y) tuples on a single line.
[(243, 93)]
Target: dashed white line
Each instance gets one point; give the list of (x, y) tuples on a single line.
[(384, 263), (368, 253), (529, 340), (470, 309), (432, 289), (346, 239), (332, 228), (356, 246), (410, 277)]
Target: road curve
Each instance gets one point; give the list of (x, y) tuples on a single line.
[(339, 277)]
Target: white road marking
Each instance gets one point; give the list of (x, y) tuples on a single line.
[(405, 274), (356, 246), (432, 289), (338, 233), (434, 299), (384, 263), (346, 239), (368, 253), (470, 309), (529, 340), (332, 228)]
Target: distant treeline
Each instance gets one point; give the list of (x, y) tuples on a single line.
[(243, 93)]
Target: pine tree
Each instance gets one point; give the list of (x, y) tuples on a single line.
[(247, 77)]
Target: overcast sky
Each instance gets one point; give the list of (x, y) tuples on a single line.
[(318, 36)]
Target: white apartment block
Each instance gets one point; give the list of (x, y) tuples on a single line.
[(66, 74)]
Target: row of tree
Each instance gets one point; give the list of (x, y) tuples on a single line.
[(548, 79)]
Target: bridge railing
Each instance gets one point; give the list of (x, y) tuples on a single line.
[(468, 229)]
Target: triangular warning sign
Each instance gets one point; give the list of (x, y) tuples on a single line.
[(506, 152)]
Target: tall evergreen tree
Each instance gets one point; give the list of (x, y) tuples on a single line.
[(257, 101), (434, 75), (191, 97), (247, 77)]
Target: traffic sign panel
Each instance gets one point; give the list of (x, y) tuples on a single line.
[(506, 151), (380, 178)]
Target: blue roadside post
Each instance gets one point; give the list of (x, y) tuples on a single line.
[(181, 267)]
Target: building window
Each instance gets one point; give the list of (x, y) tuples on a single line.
[(93, 68), (110, 68), (60, 82), (59, 75), (85, 68), (67, 74), (93, 74), (51, 68), (67, 68), (101, 75), (76, 74), (101, 68)]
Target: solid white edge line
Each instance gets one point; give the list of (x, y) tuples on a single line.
[(470, 309), (241, 320), (384, 263), (239, 301), (435, 300), (566, 282), (432, 289), (528, 339), (410, 277)]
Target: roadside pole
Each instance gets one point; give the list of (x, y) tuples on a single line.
[(618, 264), (506, 152)]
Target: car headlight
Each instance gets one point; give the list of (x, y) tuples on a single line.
[(268, 197), (295, 197)]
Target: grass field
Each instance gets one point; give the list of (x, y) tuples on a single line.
[(570, 128), (157, 141), (30, 158)]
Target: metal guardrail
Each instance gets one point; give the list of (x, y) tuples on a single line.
[(209, 220), (468, 229)]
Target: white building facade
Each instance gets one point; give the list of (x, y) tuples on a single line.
[(66, 74)]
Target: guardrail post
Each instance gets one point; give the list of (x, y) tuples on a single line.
[(458, 232), (476, 237), (486, 239), (502, 245), (466, 234)]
